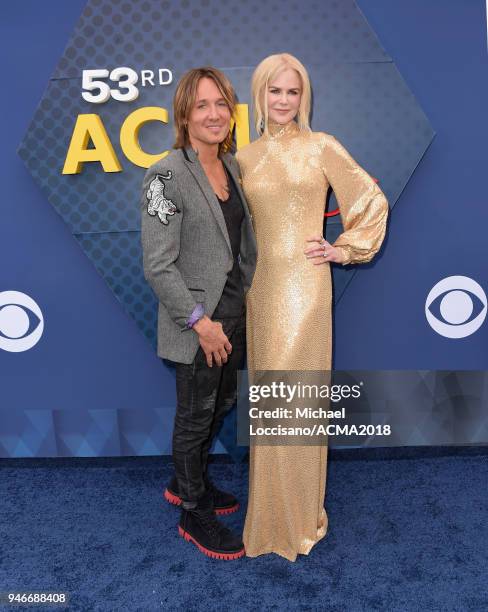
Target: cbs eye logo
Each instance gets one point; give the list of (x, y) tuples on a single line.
[(21, 322), (456, 307)]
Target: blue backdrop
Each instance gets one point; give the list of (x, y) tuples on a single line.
[(93, 384)]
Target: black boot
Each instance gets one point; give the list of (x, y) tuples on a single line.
[(201, 527), (223, 503)]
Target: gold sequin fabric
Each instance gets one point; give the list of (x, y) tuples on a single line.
[(286, 175)]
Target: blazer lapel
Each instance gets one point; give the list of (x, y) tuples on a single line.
[(198, 172)]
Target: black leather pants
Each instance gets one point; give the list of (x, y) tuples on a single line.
[(204, 396)]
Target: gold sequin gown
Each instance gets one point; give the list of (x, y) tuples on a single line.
[(285, 176)]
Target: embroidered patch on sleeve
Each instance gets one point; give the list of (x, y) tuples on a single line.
[(157, 203)]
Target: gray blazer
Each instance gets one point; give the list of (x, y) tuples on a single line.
[(186, 248)]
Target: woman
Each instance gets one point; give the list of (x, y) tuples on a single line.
[(286, 174)]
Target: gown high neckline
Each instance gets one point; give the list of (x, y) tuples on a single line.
[(277, 130)]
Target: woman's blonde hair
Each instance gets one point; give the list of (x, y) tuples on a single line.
[(184, 101), (267, 70)]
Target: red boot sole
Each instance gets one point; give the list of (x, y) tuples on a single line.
[(210, 553), (176, 501)]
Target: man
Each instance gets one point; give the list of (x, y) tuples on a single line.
[(199, 258)]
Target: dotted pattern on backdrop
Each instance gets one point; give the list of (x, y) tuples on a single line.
[(368, 107), (155, 33), (359, 97), (118, 258)]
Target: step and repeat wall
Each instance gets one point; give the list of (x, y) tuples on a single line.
[(78, 329)]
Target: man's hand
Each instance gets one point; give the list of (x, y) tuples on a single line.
[(321, 251), (213, 341)]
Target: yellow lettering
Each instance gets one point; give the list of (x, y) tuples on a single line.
[(90, 127), (242, 125), (129, 135)]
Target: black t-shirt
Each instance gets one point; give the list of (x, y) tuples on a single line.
[(231, 303)]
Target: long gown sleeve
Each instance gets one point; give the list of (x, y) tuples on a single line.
[(362, 204)]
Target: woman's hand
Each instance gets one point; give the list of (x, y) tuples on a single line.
[(321, 251)]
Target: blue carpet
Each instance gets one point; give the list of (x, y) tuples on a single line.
[(404, 535)]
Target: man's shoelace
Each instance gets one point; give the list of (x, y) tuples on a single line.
[(212, 525)]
